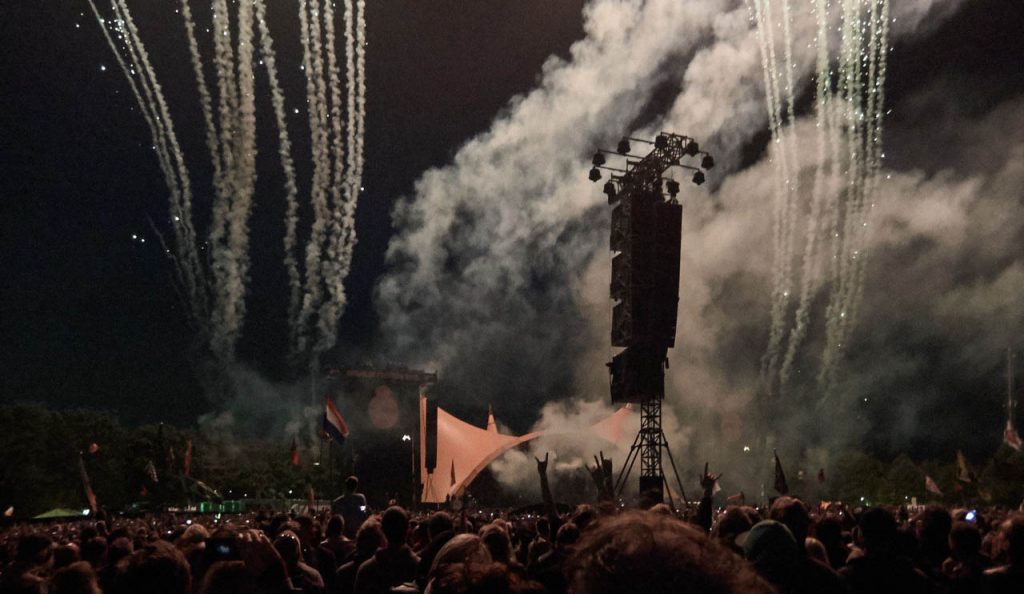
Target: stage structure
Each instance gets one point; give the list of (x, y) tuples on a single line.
[(645, 239), (381, 408)]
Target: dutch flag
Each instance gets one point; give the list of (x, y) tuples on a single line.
[(334, 426)]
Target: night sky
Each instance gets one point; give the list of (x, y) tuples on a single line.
[(90, 317)]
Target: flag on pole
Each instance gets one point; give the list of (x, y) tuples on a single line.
[(86, 484), (295, 453), (334, 425), (930, 486), (150, 471), (187, 465), (780, 476), (1011, 437), (965, 474)]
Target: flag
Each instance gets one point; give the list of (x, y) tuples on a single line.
[(821, 475), (89, 495), (334, 425), (186, 468), (150, 471), (780, 476), (965, 474), (930, 486), (1011, 437), (295, 453)]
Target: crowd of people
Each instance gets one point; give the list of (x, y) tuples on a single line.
[(785, 547)]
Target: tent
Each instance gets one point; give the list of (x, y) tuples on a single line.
[(61, 512), (464, 450)]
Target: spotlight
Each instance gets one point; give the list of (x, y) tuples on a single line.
[(623, 147), (661, 141), (594, 174), (598, 159), (692, 148), (707, 162), (609, 189), (673, 187), (698, 177)]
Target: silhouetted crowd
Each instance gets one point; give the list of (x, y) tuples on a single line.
[(599, 549)]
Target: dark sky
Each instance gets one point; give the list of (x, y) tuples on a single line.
[(90, 318)]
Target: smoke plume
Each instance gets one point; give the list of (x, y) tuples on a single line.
[(500, 268)]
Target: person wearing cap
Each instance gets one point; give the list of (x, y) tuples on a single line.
[(772, 550)]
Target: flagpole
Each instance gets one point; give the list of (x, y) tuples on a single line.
[(1009, 384), (330, 466)]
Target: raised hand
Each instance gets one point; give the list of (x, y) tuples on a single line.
[(542, 465), (257, 552), (707, 481)]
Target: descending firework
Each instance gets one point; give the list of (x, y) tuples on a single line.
[(215, 286), (848, 107)]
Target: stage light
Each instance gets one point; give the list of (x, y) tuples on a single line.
[(594, 174), (660, 141), (673, 187), (698, 177), (692, 148), (609, 189), (707, 162), (623, 147), (598, 159)]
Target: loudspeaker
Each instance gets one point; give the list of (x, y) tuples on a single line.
[(430, 439), (651, 488), (646, 232), (638, 375)]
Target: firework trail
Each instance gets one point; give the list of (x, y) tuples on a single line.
[(331, 264), (312, 294), (216, 288), (139, 73), (784, 188), (269, 60), (848, 122), (865, 119), (245, 170), (814, 228)]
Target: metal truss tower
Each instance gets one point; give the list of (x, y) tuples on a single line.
[(645, 236)]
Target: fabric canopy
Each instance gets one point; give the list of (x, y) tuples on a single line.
[(464, 450), (60, 512)]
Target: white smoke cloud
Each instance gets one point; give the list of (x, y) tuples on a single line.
[(260, 407), (500, 268)]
